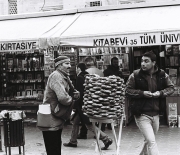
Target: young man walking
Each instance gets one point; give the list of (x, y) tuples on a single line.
[(146, 87)]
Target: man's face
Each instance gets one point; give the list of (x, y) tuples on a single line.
[(65, 66), (146, 63), (115, 63), (78, 70)]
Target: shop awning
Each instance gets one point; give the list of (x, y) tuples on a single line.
[(126, 27), (52, 36), (30, 29)]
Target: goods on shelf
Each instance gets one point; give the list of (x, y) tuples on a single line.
[(104, 97), (23, 75)]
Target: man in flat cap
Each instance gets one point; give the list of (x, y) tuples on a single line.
[(147, 87), (59, 93)]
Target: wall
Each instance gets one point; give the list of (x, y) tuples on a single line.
[(29, 6), (71, 4), (3, 7), (26, 6)]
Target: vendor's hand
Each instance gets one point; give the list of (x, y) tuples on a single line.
[(74, 110), (156, 94), (76, 95), (147, 94), (56, 109)]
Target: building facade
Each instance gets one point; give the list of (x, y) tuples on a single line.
[(71, 4), (30, 6)]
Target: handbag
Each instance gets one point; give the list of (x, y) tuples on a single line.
[(44, 116)]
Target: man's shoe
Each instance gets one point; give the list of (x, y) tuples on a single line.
[(82, 137), (106, 145), (70, 144)]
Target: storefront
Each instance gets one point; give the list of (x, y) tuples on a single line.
[(127, 34), (121, 32), (24, 66)]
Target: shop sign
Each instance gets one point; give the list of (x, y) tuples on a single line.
[(145, 39), (17, 46), (125, 40)]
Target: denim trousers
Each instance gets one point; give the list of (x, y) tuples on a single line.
[(149, 126), (75, 130)]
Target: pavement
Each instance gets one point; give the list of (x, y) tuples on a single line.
[(168, 140)]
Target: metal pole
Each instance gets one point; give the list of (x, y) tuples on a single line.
[(120, 132), (0, 140)]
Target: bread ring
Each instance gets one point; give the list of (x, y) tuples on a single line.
[(106, 91)]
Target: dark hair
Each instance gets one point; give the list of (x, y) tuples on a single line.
[(89, 61), (82, 66), (114, 58), (151, 55)]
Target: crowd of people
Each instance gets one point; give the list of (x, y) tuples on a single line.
[(145, 86)]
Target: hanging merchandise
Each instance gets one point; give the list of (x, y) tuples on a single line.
[(48, 62)]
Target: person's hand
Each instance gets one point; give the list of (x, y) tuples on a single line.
[(147, 94), (3, 113), (76, 95), (156, 94), (56, 109), (74, 110)]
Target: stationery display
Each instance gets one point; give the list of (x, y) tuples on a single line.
[(23, 72)]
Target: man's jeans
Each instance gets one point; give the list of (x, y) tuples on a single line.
[(149, 126), (75, 130)]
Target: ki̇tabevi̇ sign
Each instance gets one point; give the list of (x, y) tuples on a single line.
[(146, 39)]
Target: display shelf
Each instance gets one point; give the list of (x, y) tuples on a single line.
[(101, 54), (22, 71), (172, 63)]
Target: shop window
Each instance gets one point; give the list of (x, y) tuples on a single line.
[(95, 3), (12, 6), (102, 57)]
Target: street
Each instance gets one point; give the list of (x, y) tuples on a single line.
[(167, 139)]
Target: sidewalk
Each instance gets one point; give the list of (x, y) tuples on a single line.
[(168, 140)]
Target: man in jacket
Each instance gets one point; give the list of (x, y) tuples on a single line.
[(79, 116), (91, 67), (59, 94), (112, 69), (147, 87)]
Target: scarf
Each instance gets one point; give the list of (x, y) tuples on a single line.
[(72, 89)]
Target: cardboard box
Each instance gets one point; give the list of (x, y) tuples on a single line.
[(172, 120), (172, 109)]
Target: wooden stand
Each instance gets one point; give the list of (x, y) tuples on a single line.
[(97, 131)]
